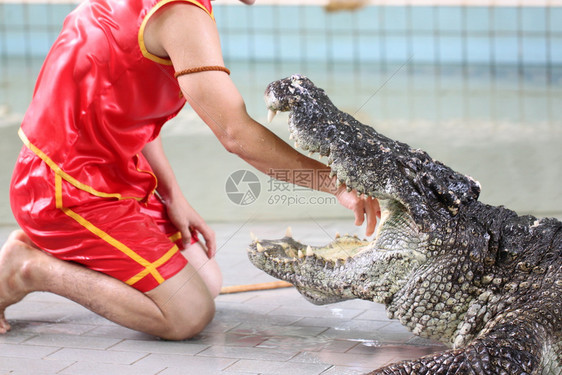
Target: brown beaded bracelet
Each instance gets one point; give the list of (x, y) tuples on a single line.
[(202, 69)]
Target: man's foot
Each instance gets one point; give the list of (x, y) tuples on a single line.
[(14, 259)]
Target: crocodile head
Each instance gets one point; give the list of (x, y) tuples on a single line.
[(419, 199)]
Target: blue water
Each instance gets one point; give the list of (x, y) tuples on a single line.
[(431, 34)]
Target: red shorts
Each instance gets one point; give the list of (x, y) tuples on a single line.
[(130, 240)]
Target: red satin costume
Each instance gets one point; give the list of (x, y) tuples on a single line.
[(81, 188)]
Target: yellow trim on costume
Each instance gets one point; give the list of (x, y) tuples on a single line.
[(175, 237), (139, 276), (58, 191), (145, 53), (149, 268), (58, 171)]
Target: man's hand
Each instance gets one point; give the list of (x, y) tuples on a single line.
[(180, 212), (186, 219), (363, 207)]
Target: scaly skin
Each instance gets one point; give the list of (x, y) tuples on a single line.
[(479, 278)]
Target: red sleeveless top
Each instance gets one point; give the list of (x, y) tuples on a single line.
[(101, 97)]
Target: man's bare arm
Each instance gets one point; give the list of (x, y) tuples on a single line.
[(190, 38)]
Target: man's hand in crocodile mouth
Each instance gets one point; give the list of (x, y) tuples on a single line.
[(367, 208)]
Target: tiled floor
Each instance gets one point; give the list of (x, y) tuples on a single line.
[(266, 332)]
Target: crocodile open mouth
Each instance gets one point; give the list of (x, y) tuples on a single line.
[(395, 232), (330, 273), (365, 162)]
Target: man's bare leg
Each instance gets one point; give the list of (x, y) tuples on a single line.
[(177, 309), (208, 269)]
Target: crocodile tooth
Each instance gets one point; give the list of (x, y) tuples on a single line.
[(296, 145), (338, 235), (289, 232), (300, 254), (253, 237), (291, 136), (259, 247), (270, 115), (309, 251)]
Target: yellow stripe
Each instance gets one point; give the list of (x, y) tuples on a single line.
[(149, 267), (58, 171), (155, 265), (58, 191), (175, 237), (145, 53)]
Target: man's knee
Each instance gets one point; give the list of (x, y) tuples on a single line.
[(185, 303), (190, 323)]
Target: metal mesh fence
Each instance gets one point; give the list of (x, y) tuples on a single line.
[(420, 48)]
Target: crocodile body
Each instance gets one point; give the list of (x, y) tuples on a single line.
[(479, 278)]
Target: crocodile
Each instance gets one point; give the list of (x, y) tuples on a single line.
[(479, 278)]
